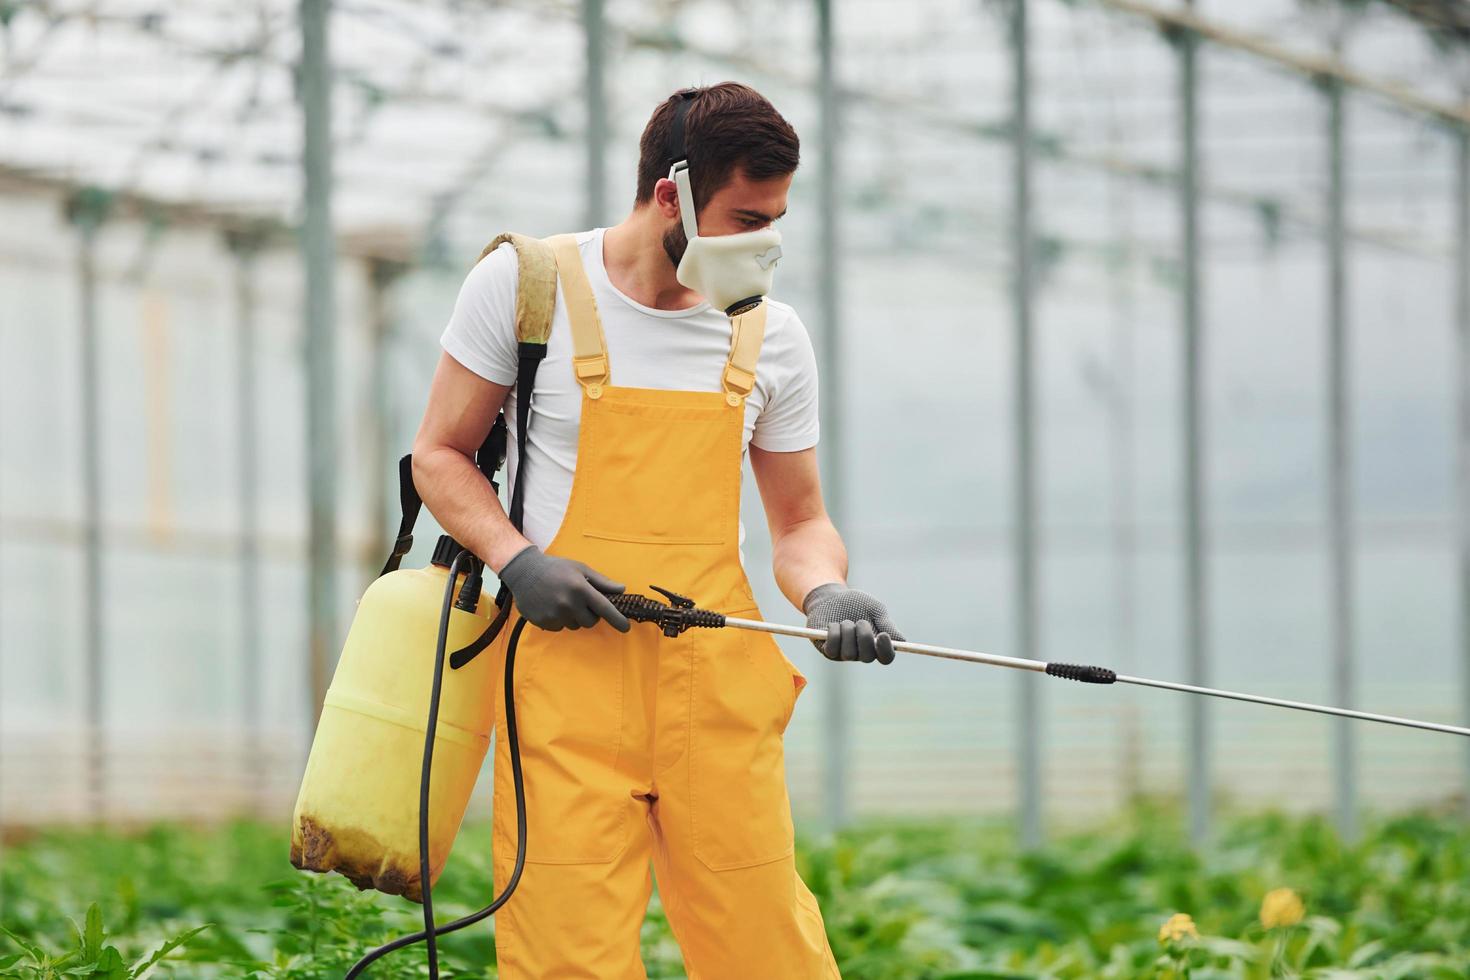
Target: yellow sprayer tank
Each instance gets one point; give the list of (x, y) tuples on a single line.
[(358, 809)]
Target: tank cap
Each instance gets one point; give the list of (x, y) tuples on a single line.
[(444, 551)]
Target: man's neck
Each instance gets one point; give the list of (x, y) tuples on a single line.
[(633, 253)]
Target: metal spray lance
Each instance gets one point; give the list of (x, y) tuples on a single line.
[(680, 614)]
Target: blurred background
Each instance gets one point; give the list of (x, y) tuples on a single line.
[(1143, 329)]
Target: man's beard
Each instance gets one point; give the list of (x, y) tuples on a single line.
[(675, 243)]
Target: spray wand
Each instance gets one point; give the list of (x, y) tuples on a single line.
[(681, 614)]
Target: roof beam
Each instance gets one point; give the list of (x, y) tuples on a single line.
[(1316, 66), (1053, 148)]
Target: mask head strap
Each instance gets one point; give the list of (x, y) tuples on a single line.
[(679, 162)]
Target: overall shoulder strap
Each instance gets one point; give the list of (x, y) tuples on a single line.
[(747, 331), (589, 345)]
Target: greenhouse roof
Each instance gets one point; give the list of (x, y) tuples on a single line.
[(440, 108)]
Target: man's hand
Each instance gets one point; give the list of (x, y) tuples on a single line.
[(857, 625), (558, 593)]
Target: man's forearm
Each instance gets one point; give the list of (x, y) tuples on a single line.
[(807, 555), (461, 499)]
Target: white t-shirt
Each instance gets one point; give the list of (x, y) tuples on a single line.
[(646, 348)]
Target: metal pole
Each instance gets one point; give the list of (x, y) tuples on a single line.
[(87, 209), (1124, 539), (1462, 327), (1339, 469), (595, 33), (1028, 733), (1195, 584), (318, 252), (836, 722), (382, 273), (1121, 431), (246, 245)]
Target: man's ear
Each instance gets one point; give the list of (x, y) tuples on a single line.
[(666, 197)]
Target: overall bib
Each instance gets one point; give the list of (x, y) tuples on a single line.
[(639, 747)]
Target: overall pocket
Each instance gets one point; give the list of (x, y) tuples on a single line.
[(739, 808), (688, 504)]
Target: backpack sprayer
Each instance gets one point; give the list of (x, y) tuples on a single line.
[(350, 814)]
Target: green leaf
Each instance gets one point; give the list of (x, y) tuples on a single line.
[(74, 956), (1232, 948), (77, 941), (92, 941), (1364, 953), (145, 966), (32, 950), (110, 965)]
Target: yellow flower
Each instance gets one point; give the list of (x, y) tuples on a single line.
[(1179, 926), (1281, 907)]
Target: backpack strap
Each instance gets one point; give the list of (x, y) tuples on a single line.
[(535, 285), (535, 303), (409, 505)]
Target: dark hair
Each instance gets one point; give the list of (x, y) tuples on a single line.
[(727, 126)]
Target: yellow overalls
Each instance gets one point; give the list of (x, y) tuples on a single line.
[(638, 746)]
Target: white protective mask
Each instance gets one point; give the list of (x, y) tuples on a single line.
[(731, 271)]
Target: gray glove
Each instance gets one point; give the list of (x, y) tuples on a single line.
[(558, 593), (857, 625)]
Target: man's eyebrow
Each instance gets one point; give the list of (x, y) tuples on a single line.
[(760, 215)]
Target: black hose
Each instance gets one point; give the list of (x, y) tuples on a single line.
[(430, 932)]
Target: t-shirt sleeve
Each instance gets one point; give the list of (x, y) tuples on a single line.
[(788, 422), (481, 333)]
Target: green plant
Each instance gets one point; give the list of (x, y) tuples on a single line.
[(902, 899), (91, 955)]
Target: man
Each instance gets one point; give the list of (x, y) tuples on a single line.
[(637, 747)]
